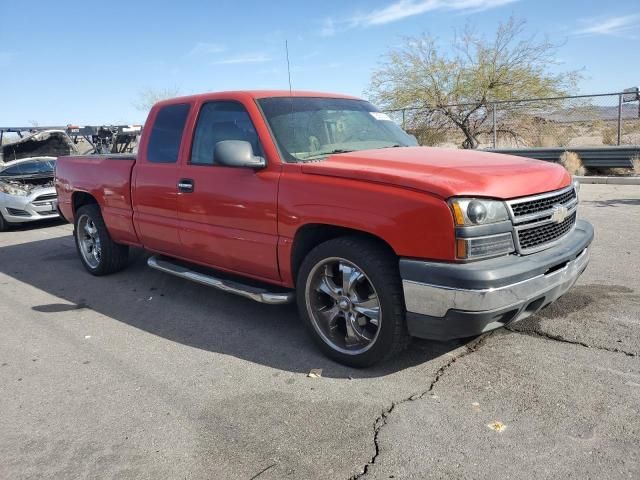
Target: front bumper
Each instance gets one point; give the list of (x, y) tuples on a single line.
[(452, 300), (40, 204)]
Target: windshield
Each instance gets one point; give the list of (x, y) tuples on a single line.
[(308, 128), (36, 167)]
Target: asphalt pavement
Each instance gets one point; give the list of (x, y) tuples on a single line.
[(142, 375)]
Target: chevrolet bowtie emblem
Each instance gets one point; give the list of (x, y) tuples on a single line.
[(560, 212)]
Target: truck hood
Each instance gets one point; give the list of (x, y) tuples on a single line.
[(446, 172)]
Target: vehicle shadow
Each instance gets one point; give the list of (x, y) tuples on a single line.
[(185, 312), (24, 227)]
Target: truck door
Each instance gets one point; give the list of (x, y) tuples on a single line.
[(228, 219), (155, 183)]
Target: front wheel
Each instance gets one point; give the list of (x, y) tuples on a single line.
[(350, 298), (100, 255)]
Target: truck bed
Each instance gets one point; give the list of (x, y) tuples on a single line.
[(106, 178)]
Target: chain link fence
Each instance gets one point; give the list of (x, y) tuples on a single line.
[(575, 121)]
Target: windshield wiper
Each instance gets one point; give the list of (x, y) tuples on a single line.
[(329, 152), (395, 145)]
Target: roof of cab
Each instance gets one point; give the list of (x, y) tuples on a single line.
[(254, 94), (295, 93)]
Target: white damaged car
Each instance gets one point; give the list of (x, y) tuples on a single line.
[(27, 167), (27, 193)]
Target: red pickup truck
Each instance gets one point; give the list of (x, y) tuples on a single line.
[(322, 199)]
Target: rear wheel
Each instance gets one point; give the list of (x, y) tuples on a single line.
[(99, 254), (350, 297)]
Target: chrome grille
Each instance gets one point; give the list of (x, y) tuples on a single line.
[(538, 221), (535, 236), (542, 204)]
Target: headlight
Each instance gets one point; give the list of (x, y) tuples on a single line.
[(11, 190), (477, 211), (481, 231)]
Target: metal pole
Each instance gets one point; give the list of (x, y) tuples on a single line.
[(495, 132), (403, 120), (619, 118)]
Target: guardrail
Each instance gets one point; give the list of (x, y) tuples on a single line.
[(603, 157)]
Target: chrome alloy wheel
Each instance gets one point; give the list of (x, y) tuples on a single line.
[(89, 241), (343, 305)]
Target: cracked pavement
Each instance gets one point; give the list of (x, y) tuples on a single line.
[(381, 420), (142, 375)]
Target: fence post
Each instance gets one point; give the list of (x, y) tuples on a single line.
[(619, 118), (495, 132)]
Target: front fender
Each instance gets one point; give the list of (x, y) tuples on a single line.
[(414, 224)]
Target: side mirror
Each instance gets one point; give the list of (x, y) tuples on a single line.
[(237, 153)]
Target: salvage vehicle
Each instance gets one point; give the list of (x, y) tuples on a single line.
[(320, 198), (27, 193)]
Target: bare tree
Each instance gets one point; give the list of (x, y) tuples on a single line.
[(456, 86), (147, 97)]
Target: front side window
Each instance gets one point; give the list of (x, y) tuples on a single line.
[(309, 128), (166, 134), (220, 121)]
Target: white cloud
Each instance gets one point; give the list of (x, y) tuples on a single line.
[(244, 58), (328, 28), (204, 48), (621, 26), (401, 9)]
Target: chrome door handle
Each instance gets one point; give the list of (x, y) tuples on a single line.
[(185, 185)]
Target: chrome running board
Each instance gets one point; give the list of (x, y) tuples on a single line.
[(254, 293)]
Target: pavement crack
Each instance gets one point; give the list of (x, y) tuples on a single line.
[(560, 338), (262, 471), (381, 420)]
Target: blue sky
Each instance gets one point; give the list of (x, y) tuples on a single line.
[(71, 64)]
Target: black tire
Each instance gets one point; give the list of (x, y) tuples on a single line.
[(113, 256), (4, 225), (380, 268)]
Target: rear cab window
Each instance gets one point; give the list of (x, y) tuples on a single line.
[(166, 133)]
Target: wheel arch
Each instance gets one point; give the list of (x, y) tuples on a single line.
[(310, 235), (80, 198)]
